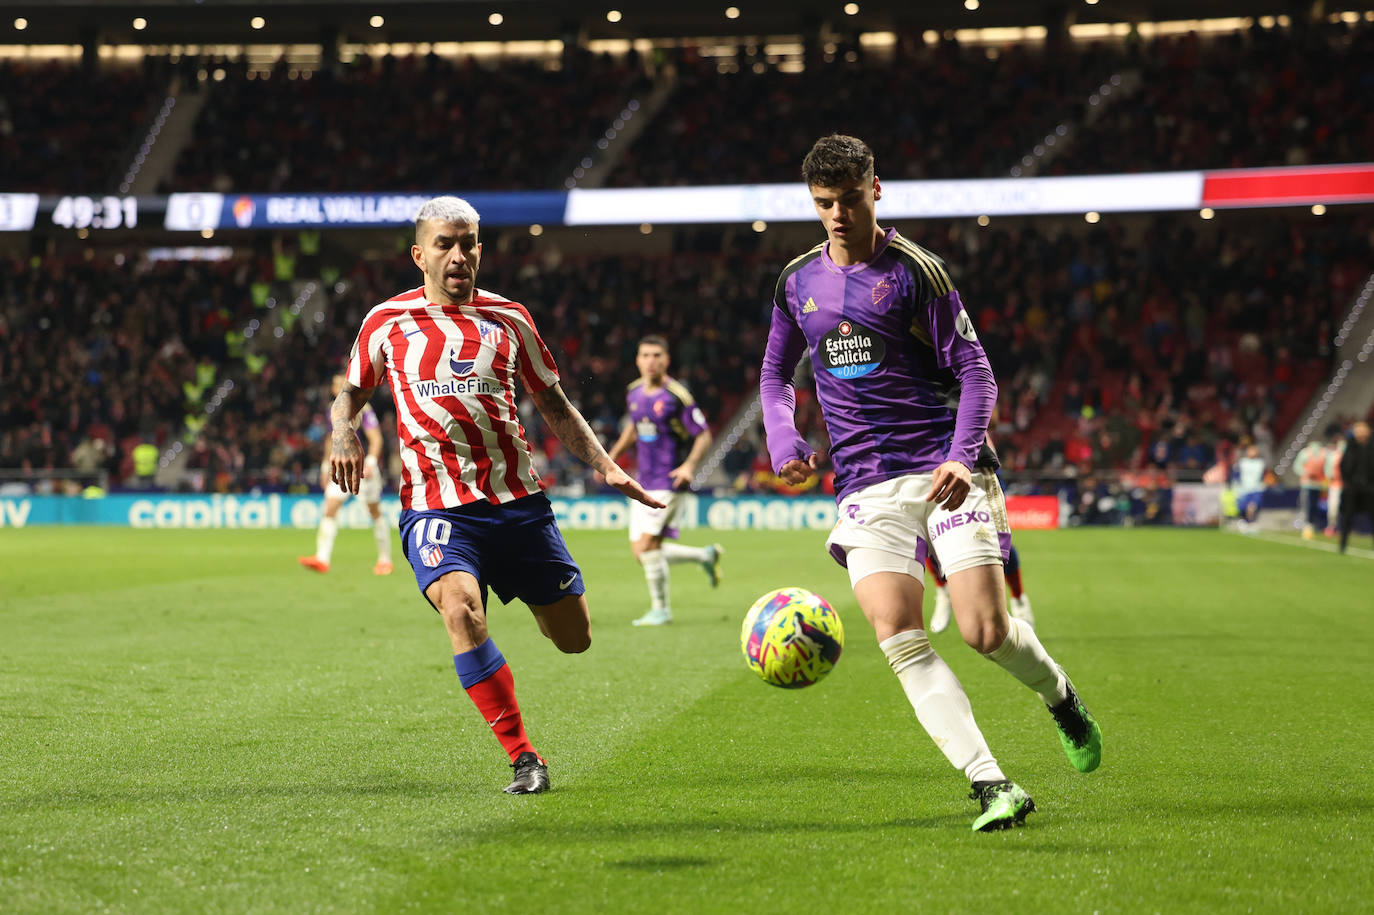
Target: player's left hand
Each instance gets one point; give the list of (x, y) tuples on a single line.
[(949, 485), (681, 476), (630, 487), (346, 460)]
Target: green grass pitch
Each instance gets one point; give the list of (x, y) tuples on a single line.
[(192, 723)]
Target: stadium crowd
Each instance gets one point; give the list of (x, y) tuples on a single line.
[(101, 354), (432, 123), (64, 129), (1153, 345), (1263, 97), (745, 126)]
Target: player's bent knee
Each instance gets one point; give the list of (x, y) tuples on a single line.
[(462, 612), (986, 635), (574, 643), (567, 623)]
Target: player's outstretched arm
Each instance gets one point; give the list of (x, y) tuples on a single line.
[(345, 448), (577, 436), (681, 475), (628, 436)]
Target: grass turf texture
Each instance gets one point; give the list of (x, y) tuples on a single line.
[(192, 723)]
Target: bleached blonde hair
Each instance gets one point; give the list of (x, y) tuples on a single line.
[(446, 209)]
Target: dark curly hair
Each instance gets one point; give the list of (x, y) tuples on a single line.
[(837, 160)]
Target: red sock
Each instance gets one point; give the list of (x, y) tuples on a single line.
[(1014, 583), (495, 699), (935, 572)]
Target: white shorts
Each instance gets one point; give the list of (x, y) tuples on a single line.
[(894, 516), (656, 522), (369, 490)]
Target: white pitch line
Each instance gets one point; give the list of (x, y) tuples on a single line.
[(1310, 544)]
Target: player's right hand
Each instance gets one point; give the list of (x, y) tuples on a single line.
[(795, 472), (630, 487), (346, 460)]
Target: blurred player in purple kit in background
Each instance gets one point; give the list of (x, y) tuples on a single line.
[(668, 432), (370, 492), (892, 348)]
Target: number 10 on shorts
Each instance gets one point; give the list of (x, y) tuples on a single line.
[(438, 530)]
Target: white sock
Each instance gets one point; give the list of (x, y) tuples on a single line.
[(324, 539), (940, 703), (656, 574), (381, 533), (1022, 656), (677, 552)]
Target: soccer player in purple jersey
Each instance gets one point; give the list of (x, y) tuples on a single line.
[(668, 432), (890, 342), (369, 490)]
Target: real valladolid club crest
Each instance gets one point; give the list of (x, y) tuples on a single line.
[(882, 291)]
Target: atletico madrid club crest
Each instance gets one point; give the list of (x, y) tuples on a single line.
[(431, 555)]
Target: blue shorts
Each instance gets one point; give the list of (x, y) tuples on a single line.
[(514, 548), (1244, 502)]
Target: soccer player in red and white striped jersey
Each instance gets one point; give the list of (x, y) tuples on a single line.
[(473, 514)]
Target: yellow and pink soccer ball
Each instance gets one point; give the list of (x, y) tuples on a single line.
[(792, 637)]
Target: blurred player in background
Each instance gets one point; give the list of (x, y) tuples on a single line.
[(473, 515), (662, 422), (1311, 465), (1335, 486), (1250, 470), (889, 340), (1011, 574), (1018, 600), (1357, 475), (369, 490)]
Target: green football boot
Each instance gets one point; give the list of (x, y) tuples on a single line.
[(1005, 804), (1078, 731)]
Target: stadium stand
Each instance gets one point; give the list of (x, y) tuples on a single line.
[(432, 123), (1277, 96), (1145, 343), (1262, 97), (1157, 343), (114, 349), (67, 129), (745, 126)]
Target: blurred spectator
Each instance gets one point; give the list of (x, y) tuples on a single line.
[(64, 130), (460, 124)]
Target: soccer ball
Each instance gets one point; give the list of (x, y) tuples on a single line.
[(791, 637)]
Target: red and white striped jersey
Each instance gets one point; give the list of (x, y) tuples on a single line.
[(452, 371)]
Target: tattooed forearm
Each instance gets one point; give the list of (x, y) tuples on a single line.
[(572, 430), (344, 440), (345, 407)]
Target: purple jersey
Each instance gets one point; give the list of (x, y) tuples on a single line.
[(366, 418), (894, 353), (666, 420)]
